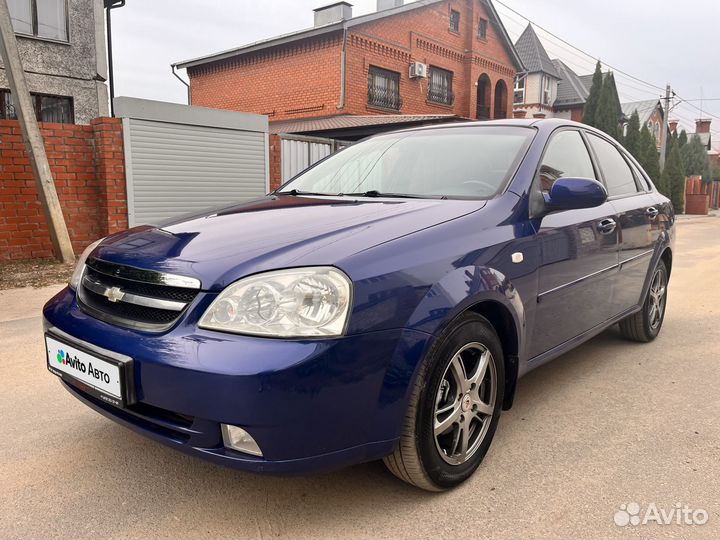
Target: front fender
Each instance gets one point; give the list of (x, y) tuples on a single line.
[(461, 289)]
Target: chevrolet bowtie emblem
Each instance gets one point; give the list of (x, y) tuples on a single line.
[(114, 294)]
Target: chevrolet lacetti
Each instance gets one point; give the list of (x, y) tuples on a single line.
[(381, 305)]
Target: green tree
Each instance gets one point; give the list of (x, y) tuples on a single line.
[(695, 159), (682, 138), (607, 115), (672, 181), (593, 99), (632, 137), (648, 156)]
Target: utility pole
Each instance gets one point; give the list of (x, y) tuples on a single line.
[(664, 134), (32, 138)]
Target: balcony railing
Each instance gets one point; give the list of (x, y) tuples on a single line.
[(444, 97), (384, 97)]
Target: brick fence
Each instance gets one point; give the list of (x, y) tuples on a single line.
[(87, 164)]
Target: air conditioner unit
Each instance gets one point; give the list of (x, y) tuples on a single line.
[(418, 70)]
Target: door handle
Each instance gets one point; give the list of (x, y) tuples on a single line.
[(607, 226), (652, 212)]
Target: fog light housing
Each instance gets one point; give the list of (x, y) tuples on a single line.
[(239, 440)]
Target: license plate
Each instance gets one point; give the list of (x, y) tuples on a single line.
[(105, 378)]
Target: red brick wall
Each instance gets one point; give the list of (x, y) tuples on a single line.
[(303, 79), (292, 82), (423, 35), (88, 168)]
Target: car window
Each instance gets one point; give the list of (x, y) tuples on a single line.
[(565, 157), (618, 175), (644, 184)]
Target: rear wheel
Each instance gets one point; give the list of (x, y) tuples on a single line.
[(454, 408), (645, 325)]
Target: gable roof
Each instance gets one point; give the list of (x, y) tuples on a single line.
[(533, 54), (644, 109), (571, 89), (349, 23)]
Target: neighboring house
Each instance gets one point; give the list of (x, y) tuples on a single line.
[(572, 92), (428, 57), (549, 87), (536, 89), (62, 47), (651, 114)]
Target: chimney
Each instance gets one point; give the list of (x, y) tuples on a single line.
[(382, 5), (702, 125), (673, 125), (339, 11)]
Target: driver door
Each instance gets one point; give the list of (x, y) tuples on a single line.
[(578, 252)]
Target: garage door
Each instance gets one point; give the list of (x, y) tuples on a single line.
[(174, 168)]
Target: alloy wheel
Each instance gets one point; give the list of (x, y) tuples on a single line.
[(465, 403), (656, 298)]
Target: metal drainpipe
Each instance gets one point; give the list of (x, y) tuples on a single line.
[(109, 6), (343, 68), (189, 91)]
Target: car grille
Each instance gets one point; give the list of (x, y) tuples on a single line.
[(135, 298)]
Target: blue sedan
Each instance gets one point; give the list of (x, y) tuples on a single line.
[(383, 304)]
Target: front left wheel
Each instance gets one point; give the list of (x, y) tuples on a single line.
[(454, 407)]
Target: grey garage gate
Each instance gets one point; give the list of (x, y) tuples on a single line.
[(181, 159)]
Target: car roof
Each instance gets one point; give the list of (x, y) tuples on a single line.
[(544, 124)]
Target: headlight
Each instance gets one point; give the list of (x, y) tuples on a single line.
[(80, 266), (299, 302)]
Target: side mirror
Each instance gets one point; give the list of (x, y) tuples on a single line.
[(574, 193)]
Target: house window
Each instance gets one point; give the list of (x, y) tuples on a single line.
[(384, 88), (519, 93), (48, 108), (440, 87), (40, 18), (546, 90), (482, 29), (454, 21)]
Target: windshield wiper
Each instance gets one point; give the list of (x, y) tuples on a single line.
[(376, 193), (298, 193)]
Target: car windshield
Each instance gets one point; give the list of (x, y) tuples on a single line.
[(463, 162)]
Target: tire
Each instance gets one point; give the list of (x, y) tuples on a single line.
[(440, 400), (645, 325)]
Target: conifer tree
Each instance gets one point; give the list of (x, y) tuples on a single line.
[(648, 156), (695, 159), (591, 103), (632, 137), (672, 181)]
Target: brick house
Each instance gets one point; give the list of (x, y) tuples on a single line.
[(426, 59), (62, 47), (651, 113)]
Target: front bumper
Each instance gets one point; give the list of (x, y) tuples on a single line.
[(310, 405)]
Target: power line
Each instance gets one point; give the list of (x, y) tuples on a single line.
[(577, 48)]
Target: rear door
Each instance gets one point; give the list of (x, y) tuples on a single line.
[(636, 210), (579, 257)]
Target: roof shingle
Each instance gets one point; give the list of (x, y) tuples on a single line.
[(533, 54)]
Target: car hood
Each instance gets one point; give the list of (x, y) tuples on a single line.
[(275, 232)]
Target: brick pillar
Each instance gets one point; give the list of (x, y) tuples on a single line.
[(110, 173), (275, 161)]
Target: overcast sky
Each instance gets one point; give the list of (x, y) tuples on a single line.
[(656, 41)]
